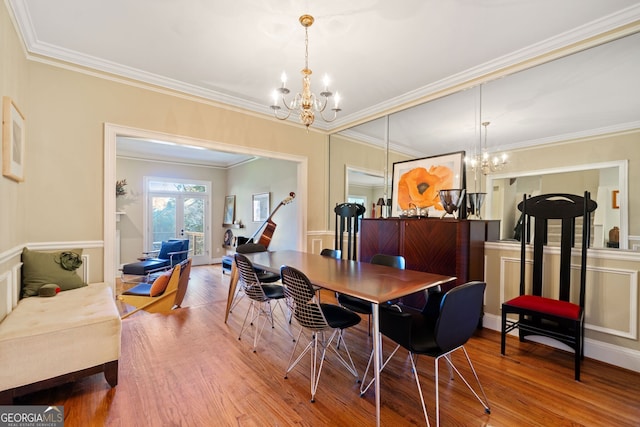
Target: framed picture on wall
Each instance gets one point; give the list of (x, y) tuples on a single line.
[(229, 210), (260, 205), (12, 140), (417, 183)]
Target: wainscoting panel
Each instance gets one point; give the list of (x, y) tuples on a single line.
[(6, 296), (611, 301), (316, 246)]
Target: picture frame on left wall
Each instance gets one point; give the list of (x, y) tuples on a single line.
[(229, 211), (13, 140), (261, 206)]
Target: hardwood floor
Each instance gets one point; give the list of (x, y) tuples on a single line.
[(188, 368)]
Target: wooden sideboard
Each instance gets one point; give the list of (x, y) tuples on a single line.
[(453, 247)]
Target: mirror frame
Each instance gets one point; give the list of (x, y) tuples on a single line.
[(623, 196)]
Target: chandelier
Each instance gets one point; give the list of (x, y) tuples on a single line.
[(482, 161), (486, 162), (305, 103)]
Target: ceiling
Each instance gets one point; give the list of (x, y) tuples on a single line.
[(378, 54)]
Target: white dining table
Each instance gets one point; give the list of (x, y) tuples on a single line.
[(371, 282)]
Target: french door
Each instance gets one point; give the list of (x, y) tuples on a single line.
[(178, 209)]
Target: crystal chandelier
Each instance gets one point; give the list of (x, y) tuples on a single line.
[(305, 103)]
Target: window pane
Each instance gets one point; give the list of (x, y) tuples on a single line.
[(175, 187), (164, 219)]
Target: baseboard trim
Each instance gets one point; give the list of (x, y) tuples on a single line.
[(604, 352)]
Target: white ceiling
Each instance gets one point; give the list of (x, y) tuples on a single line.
[(378, 54)]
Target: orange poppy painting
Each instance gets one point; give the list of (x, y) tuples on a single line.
[(417, 183)]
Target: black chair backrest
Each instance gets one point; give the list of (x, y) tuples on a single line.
[(299, 294), (566, 208), (348, 217), (395, 261), (250, 248), (459, 313), (248, 278), (332, 253)]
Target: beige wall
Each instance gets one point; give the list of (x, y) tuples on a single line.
[(277, 177), (14, 83)]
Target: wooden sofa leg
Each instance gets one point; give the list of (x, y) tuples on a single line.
[(111, 373)]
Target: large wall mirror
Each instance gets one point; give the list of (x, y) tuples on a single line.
[(605, 181), (366, 187), (590, 96)]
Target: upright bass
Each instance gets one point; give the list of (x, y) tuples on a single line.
[(270, 227)]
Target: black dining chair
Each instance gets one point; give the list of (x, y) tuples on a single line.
[(364, 307), (324, 322), (438, 337)]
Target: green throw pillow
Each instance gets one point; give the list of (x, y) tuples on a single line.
[(40, 268)]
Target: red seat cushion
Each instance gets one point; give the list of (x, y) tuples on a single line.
[(554, 307)]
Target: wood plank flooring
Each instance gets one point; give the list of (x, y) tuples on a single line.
[(188, 368)]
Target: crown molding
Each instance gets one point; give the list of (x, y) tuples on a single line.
[(589, 35), (36, 49)]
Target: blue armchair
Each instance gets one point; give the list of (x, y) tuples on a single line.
[(171, 252)]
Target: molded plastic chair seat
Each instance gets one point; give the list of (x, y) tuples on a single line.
[(273, 291), (339, 318)]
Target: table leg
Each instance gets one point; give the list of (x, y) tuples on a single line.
[(233, 283), (377, 356)]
